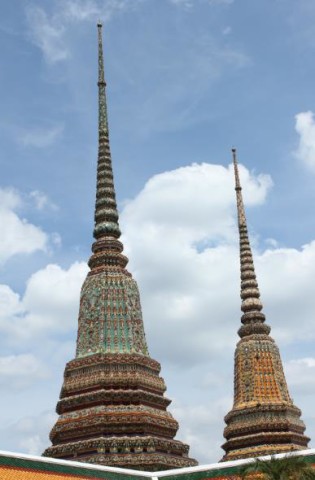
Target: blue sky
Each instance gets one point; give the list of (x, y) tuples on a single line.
[(187, 80)]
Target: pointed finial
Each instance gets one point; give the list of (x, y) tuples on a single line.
[(238, 188), (252, 318), (101, 78)]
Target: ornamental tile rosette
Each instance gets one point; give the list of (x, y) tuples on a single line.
[(263, 420), (112, 409)]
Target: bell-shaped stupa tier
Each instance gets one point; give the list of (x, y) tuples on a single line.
[(263, 420), (112, 409)]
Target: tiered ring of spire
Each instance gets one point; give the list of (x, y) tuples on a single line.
[(107, 248), (253, 319)]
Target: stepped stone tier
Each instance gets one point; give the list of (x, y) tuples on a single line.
[(112, 409), (263, 420)]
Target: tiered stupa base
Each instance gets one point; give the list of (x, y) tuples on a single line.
[(263, 430), (263, 420), (112, 412)]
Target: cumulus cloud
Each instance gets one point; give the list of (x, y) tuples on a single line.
[(295, 269), (10, 302), (300, 378), (202, 427), (305, 127), (185, 251), (48, 307), (52, 295), (300, 373), (185, 257), (37, 337), (20, 371), (28, 434), (192, 203), (182, 241), (181, 237), (18, 236)]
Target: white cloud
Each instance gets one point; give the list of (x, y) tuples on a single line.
[(226, 31), (48, 31), (48, 307), (185, 257), (305, 127), (47, 34), (20, 371), (93, 10), (28, 434), (201, 427), (9, 198), (190, 3), (300, 373), (181, 237), (220, 2), (295, 269), (56, 239), (41, 321), (170, 103), (184, 253), (181, 255), (10, 302), (83, 10), (51, 297), (176, 202), (183, 3), (18, 235), (300, 378), (42, 201), (40, 137)]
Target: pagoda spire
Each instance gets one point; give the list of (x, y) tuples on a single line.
[(106, 214), (112, 409), (252, 318), (263, 420), (107, 248)]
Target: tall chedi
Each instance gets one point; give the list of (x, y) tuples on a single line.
[(112, 409), (263, 420)]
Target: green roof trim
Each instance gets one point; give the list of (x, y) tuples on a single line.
[(209, 473), (205, 474)]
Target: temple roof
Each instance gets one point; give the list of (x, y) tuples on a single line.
[(14, 466)]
